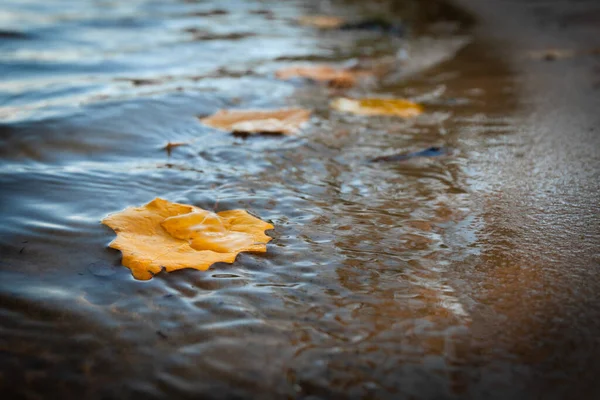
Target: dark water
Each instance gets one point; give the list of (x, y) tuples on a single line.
[(368, 286)]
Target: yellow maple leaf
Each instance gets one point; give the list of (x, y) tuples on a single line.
[(162, 234), (378, 106), (285, 121)]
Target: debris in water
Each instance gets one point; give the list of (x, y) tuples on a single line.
[(552, 54), (200, 34), (430, 152), (162, 335), (171, 145), (376, 25), (208, 13)]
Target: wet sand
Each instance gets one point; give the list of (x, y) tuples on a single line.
[(543, 301)]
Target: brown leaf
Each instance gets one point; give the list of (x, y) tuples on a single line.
[(285, 121)]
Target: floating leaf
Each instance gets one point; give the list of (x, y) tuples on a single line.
[(335, 77), (321, 21), (173, 236), (285, 121), (375, 106)]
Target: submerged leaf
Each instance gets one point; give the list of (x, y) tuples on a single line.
[(284, 121), (321, 21), (376, 106), (335, 77), (173, 236)]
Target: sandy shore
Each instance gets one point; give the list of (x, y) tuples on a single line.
[(550, 192)]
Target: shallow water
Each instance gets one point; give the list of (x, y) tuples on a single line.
[(368, 285)]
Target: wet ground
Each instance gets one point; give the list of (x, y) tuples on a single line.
[(465, 274)]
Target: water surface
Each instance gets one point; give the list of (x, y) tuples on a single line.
[(366, 290)]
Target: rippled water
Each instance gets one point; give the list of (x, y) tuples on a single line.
[(361, 293)]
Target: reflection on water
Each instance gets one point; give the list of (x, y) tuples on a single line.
[(360, 293)]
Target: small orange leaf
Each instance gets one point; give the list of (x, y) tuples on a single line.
[(339, 78), (284, 121), (173, 236), (376, 106), (322, 21)]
